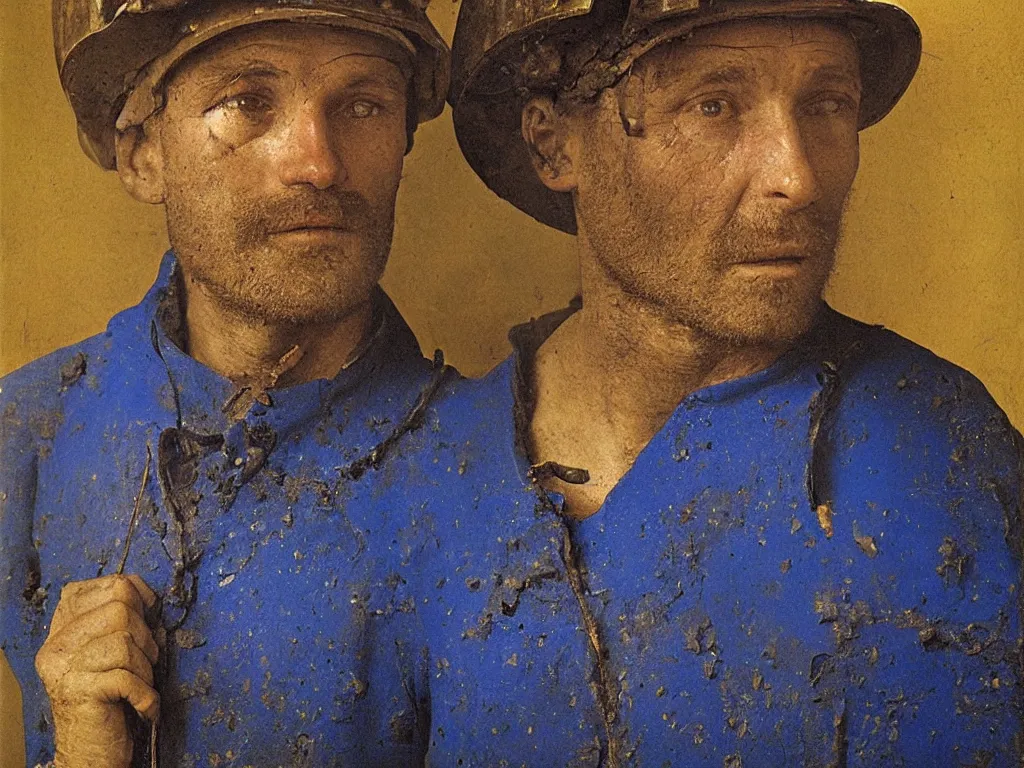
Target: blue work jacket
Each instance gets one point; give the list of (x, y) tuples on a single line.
[(815, 565), (266, 525)]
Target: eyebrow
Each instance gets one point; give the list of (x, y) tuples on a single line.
[(739, 75), (729, 74), (834, 73), (221, 75), (388, 80), (725, 76)]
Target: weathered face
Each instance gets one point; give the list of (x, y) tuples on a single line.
[(726, 213), (282, 149)]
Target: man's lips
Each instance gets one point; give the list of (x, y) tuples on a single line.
[(313, 226), (775, 261), (782, 266), (313, 237), (312, 222), (791, 257)]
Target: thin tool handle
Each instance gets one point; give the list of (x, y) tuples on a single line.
[(120, 571)]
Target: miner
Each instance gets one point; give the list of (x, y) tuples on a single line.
[(192, 533), (716, 522)]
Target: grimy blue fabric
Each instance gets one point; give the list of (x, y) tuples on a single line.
[(817, 565), (270, 538)]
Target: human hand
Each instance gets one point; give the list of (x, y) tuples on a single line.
[(98, 655)]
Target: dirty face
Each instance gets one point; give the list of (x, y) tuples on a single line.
[(281, 149), (725, 213)]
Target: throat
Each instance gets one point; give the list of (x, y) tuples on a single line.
[(583, 495), (596, 401), (250, 352), (581, 500), (578, 421)]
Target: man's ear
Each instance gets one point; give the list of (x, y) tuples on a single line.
[(546, 133), (140, 161)]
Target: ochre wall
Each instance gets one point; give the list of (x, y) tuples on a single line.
[(933, 246)]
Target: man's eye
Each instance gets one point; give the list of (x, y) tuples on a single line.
[(832, 105), (712, 108), (364, 109), (251, 106)]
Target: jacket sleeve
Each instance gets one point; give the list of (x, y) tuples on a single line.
[(935, 468), (27, 425)]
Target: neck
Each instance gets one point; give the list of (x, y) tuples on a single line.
[(269, 354), (639, 363), (608, 379)]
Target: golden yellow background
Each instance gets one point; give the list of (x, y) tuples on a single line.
[(933, 246)]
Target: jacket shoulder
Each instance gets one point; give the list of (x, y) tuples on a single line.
[(477, 409), (883, 372), (31, 396), (919, 431)]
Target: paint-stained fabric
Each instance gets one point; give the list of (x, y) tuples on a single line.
[(815, 565), (269, 536)]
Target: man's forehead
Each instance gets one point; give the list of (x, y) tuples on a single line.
[(298, 48), (819, 44)]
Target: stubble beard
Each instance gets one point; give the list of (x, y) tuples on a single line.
[(765, 309), (236, 261), (701, 293)]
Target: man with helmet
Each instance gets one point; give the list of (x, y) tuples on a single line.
[(193, 504), (718, 523)]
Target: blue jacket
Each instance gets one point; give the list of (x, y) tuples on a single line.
[(816, 565), (271, 537)]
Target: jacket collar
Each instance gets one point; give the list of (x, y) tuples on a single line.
[(203, 398), (813, 369)]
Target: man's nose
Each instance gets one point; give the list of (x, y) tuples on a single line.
[(785, 173), (309, 151)]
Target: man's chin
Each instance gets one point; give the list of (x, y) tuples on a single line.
[(292, 303), (775, 322), (286, 310), (298, 316)]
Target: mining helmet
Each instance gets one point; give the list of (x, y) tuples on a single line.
[(506, 50), (112, 55)]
